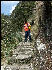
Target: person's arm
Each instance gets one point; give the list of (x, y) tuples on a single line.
[(29, 25)]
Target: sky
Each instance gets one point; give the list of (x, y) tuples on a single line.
[(8, 6)]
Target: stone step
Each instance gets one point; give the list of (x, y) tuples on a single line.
[(20, 67), (12, 67), (23, 56), (25, 44), (23, 48), (28, 46), (26, 49), (26, 52), (22, 51), (27, 67)]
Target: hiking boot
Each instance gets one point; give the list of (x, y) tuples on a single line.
[(25, 41)]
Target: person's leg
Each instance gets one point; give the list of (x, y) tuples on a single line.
[(29, 36), (26, 36)]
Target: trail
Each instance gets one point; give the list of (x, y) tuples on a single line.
[(29, 56), (35, 55)]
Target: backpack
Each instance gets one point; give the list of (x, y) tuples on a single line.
[(29, 26)]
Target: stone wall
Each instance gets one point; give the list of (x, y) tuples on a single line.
[(44, 17)]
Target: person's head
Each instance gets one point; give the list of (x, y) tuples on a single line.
[(25, 21)]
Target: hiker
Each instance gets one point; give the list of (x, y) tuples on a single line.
[(27, 28)]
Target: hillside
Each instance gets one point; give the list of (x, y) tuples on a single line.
[(35, 55), (12, 25)]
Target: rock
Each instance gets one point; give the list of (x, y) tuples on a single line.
[(41, 46), (2, 68), (26, 67), (27, 44), (23, 56), (28, 52), (26, 49), (21, 67), (12, 67)]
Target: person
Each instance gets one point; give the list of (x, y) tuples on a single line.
[(27, 28)]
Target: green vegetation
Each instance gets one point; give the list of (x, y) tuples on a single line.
[(23, 10), (12, 25), (9, 38)]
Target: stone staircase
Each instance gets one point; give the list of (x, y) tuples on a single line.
[(22, 57), (29, 56)]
